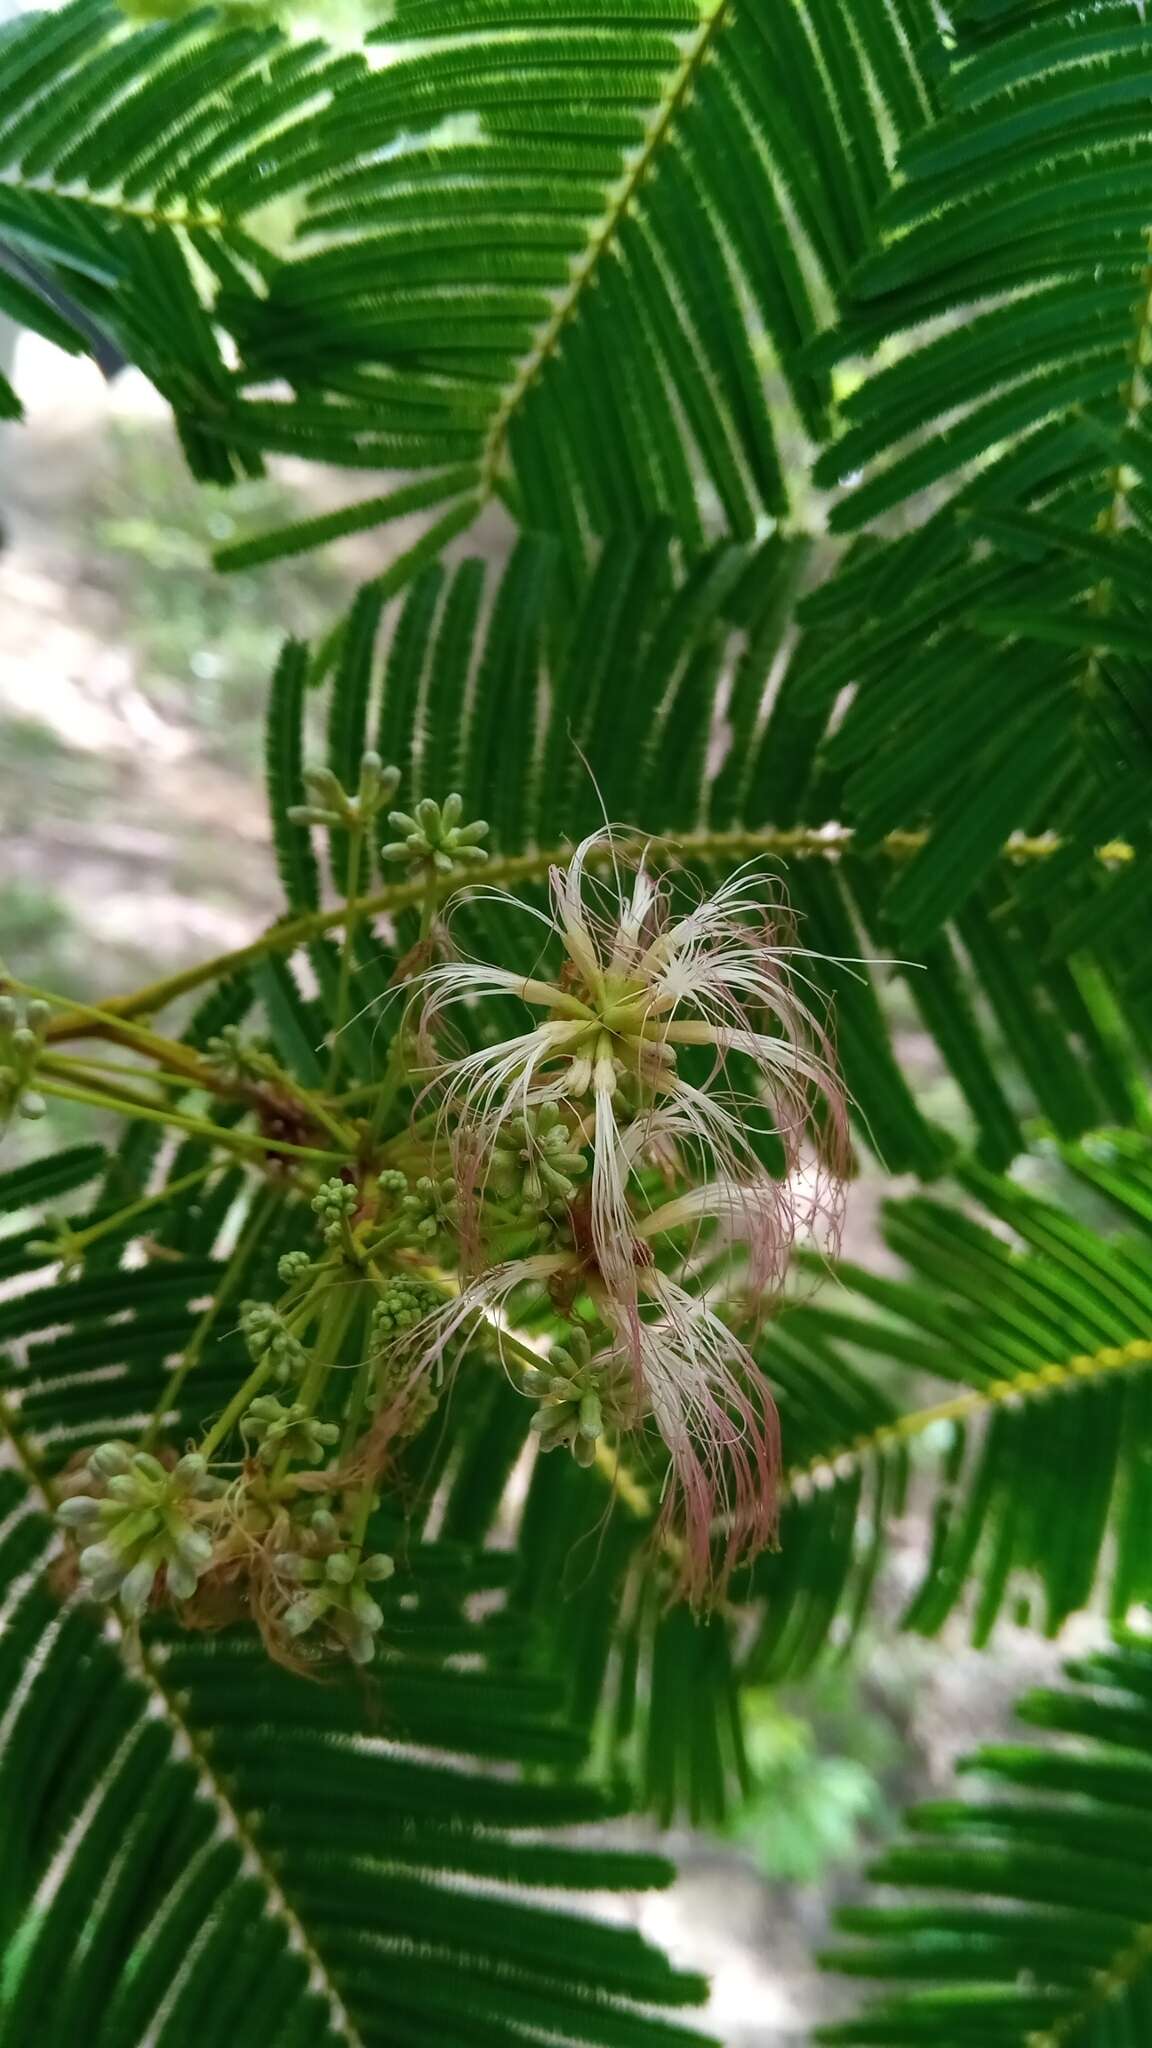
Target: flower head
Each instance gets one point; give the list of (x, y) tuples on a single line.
[(140, 1519), (669, 1122), (677, 1037)]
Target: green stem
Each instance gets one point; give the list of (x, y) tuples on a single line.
[(231, 1140), (338, 1312), (389, 1086), (428, 907), (44, 1486), (185, 1066), (255, 1224), (801, 841), (157, 1077), (351, 924), (344, 1134), (74, 1073), (357, 1404), (362, 1516), (167, 1051), (394, 1071), (236, 1407), (79, 1240)]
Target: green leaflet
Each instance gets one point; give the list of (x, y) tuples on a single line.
[(1025, 205), (445, 255), (1028, 1924), (284, 762), (1008, 1383), (1043, 1360), (202, 1862), (205, 1868), (645, 697)]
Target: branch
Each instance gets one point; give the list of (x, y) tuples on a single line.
[(803, 842)]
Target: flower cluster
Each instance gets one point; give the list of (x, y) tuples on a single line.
[(636, 1165), (332, 805), (21, 1041), (334, 1595), (141, 1520), (579, 1397), (436, 838), (674, 1104), (267, 1336), (277, 1430)]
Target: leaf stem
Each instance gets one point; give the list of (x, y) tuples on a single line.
[(338, 1312), (45, 1486), (236, 1406), (1037, 1384), (215, 1134), (802, 842), (351, 925), (255, 1224), (80, 1240)]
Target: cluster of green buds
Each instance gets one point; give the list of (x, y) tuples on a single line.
[(578, 1396), (404, 1301), (144, 1519), (426, 1208), (536, 1163), (334, 1597), (21, 1042), (267, 1336), (435, 838), (294, 1267), (331, 804), (417, 1211), (275, 1430), (335, 1204), (236, 1057)]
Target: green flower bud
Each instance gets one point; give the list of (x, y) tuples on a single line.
[(147, 1467), (21, 1039), (292, 1267), (435, 838), (404, 1302), (77, 1511), (337, 1598), (332, 805), (362, 1606), (579, 1402), (305, 1613), (236, 1057), (137, 1521), (277, 1429), (335, 1204), (266, 1335), (109, 1459), (136, 1587), (536, 1383), (536, 1164)]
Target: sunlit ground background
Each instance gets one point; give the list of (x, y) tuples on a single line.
[(132, 685)]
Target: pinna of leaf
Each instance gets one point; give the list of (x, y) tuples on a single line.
[(606, 1163)]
